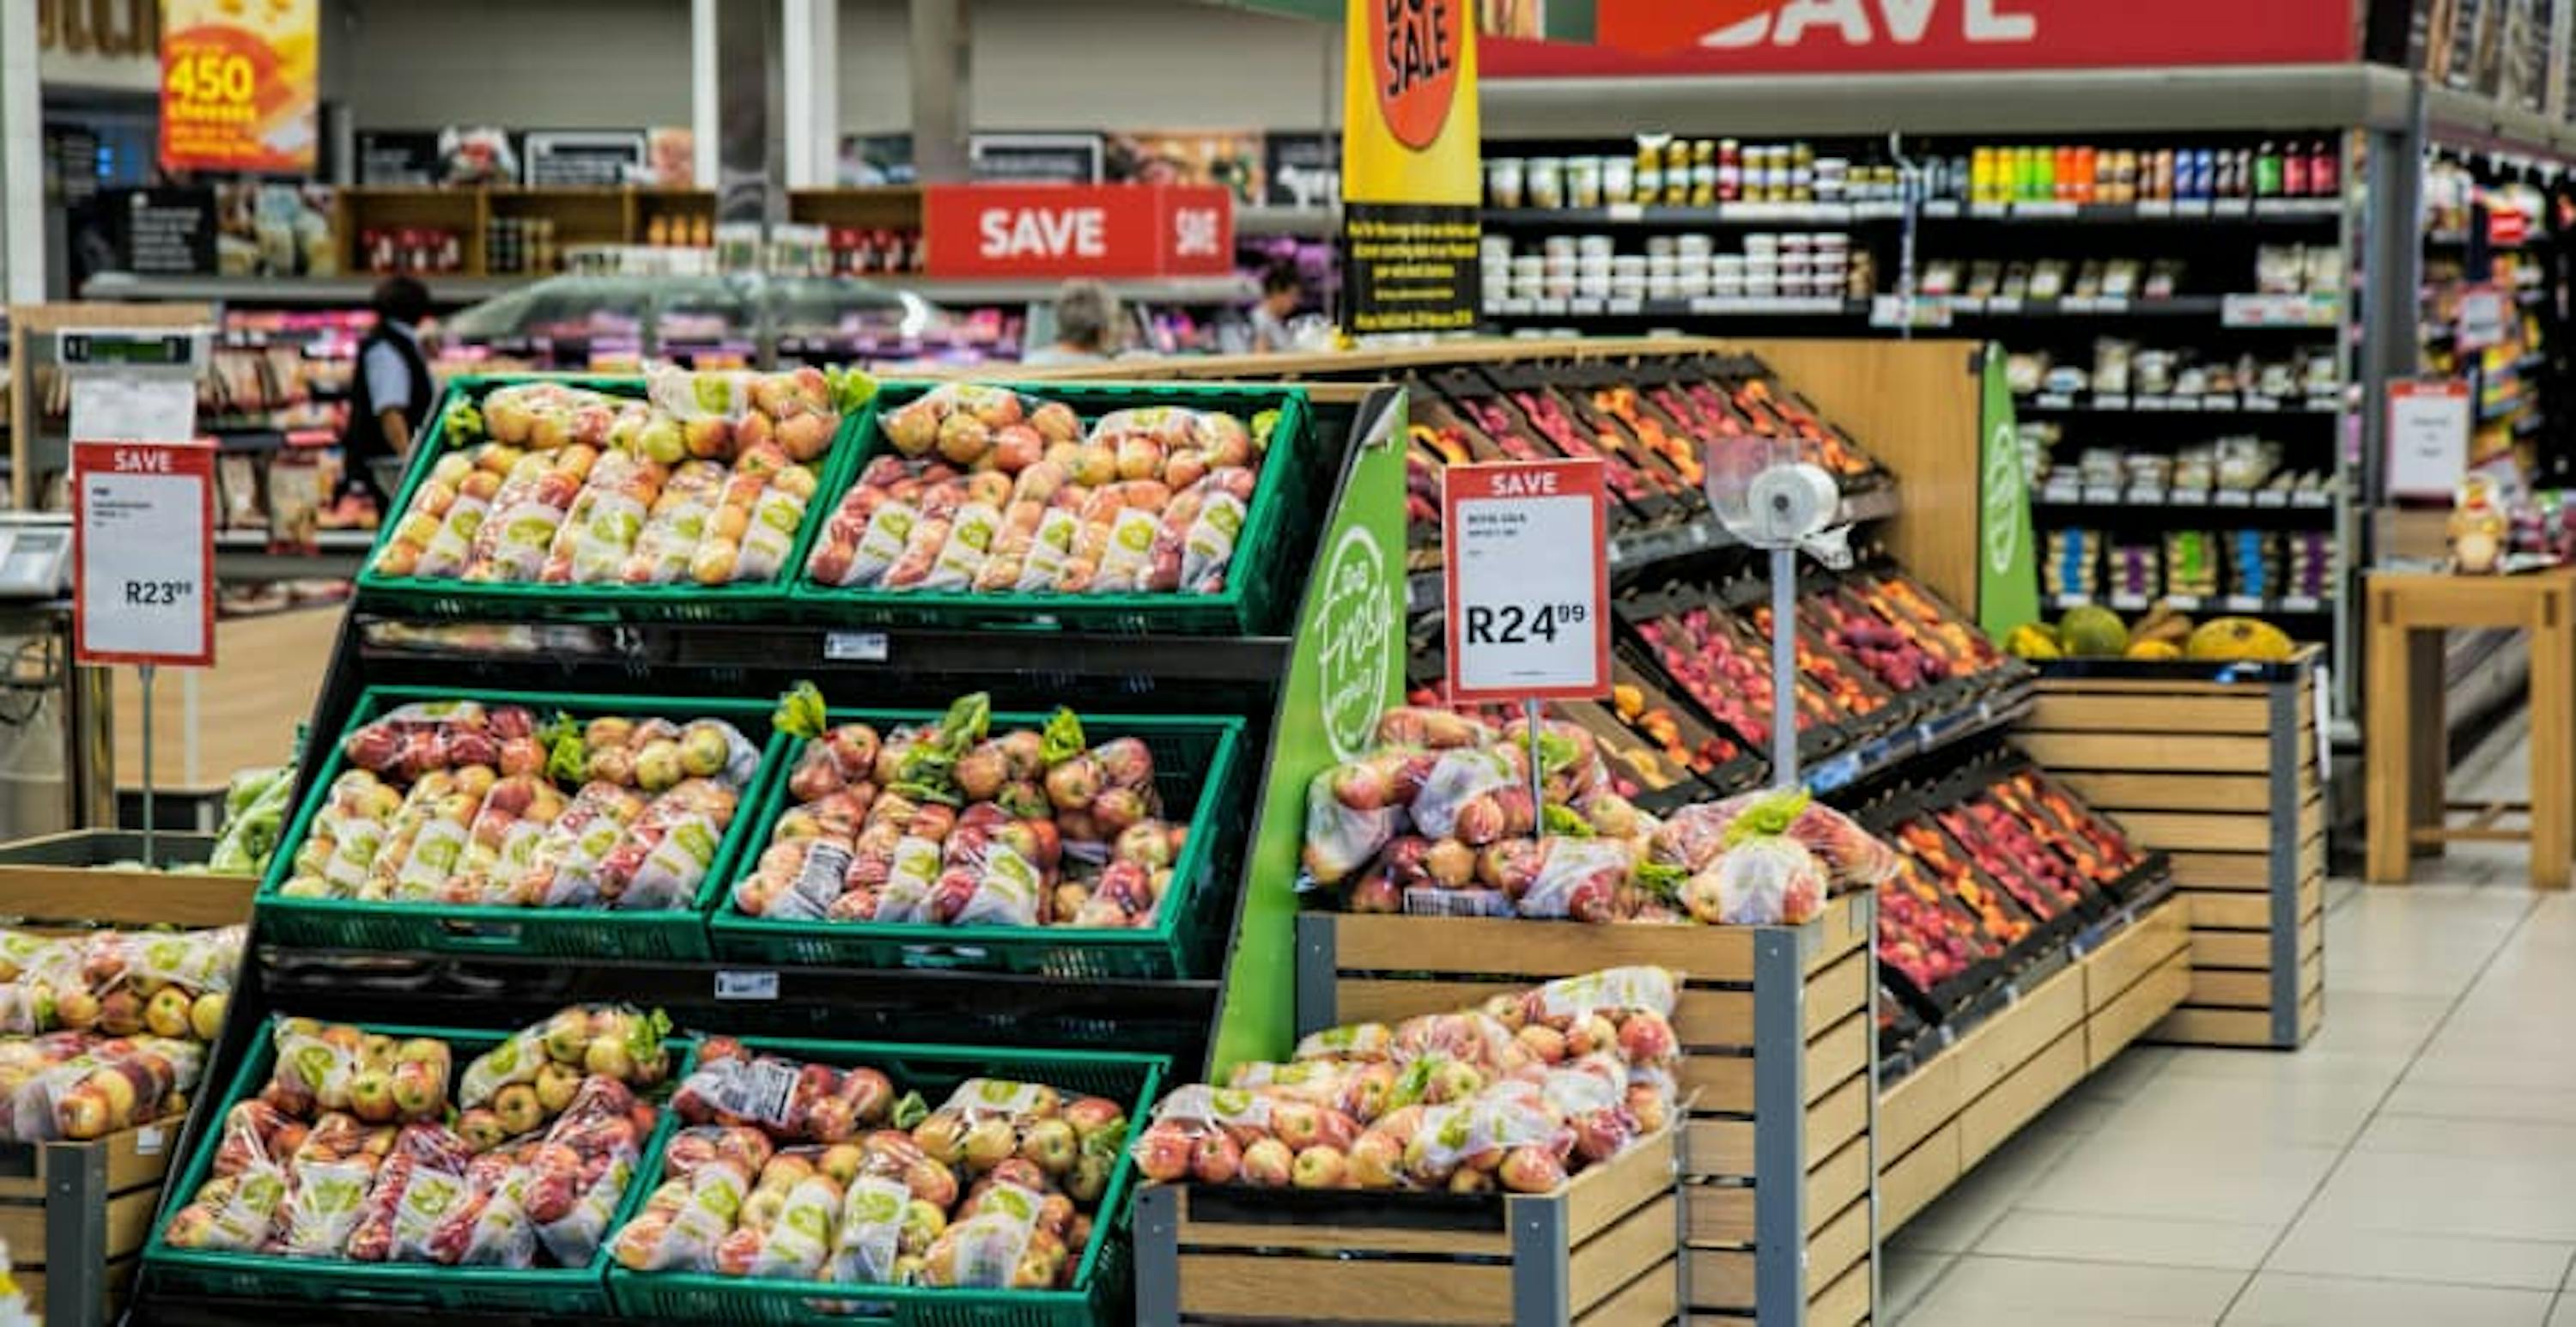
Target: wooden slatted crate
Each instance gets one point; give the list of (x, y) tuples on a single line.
[(2217, 766), (76, 1215), (1598, 1253), (1777, 1029), (1941, 1119)]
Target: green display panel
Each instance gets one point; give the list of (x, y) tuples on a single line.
[(2007, 565), (1348, 667)]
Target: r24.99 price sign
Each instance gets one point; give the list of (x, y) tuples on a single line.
[(143, 553), (1527, 566)]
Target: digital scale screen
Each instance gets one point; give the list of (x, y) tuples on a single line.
[(31, 562), (171, 350)]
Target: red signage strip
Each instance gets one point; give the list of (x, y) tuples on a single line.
[(1526, 558), (1929, 36), (1065, 230)]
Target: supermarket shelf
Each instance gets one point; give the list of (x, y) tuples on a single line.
[(2243, 311), (2168, 100), (282, 291), (2191, 211), (1639, 548), (1302, 222), (2115, 497), (2287, 605), (460, 290), (2110, 403), (1705, 306), (1719, 214), (1167, 290)]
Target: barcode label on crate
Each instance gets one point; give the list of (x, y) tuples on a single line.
[(855, 646), (733, 985), (148, 1140)]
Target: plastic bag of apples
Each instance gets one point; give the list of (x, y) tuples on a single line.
[(1517, 1095)]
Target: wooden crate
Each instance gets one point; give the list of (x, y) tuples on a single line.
[(76, 1216), (1939, 1121), (2217, 766), (1599, 1253), (63, 878), (1777, 1028)]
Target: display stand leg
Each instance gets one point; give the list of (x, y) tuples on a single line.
[(1784, 667), (149, 858)]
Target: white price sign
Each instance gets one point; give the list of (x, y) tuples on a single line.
[(143, 553), (1527, 564), (2428, 437)]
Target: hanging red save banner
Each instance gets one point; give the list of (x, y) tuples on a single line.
[(1633, 37), (1065, 230)]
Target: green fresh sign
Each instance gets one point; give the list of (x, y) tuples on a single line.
[(1348, 668), (2007, 565)]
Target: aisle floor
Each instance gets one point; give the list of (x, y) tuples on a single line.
[(2415, 1164)]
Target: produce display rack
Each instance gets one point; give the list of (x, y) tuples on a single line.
[(2217, 765), (1778, 1075), (1262, 679), (1598, 1253), (1983, 1078)]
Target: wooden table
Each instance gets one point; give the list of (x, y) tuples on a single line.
[(2408, 751)]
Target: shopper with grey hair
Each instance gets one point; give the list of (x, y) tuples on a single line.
[(1086, 326)]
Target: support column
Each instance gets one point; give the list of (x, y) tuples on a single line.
[(942, 89), (22, 173), (810, 49), (2390, 248)]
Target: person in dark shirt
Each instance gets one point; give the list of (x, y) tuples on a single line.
[(391, 394)]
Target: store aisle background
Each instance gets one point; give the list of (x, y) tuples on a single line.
[(2415, 1164)]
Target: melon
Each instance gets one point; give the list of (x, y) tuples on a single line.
[(2092, 631), (2238, 639)]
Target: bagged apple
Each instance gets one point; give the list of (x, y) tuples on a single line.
[(1577, 878), (619, 1042), (868, 1239)]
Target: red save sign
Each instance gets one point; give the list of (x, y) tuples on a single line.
[(1526, 557), (1908, 36), (1066, 230), (143, 553)]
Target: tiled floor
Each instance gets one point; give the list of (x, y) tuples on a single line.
[(2415, 1164)]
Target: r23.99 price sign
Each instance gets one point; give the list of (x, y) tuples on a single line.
[(143, 553), (1526, 559)]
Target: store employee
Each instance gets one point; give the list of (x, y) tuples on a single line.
[(392, 392)]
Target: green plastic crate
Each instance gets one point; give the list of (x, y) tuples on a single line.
[(677, 933), (1258, 581), (350, 1286), (1198, 764), (1100, 1285), (687, 601)]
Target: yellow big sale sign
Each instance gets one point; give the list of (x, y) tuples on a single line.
[(240, 85)]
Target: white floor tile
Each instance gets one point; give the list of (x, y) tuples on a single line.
[(2186, 1179), (2085, 1237), (2508, 1197), (2310, 1112), (2318, 1246), (2280, 1299), (1984, 1289)]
